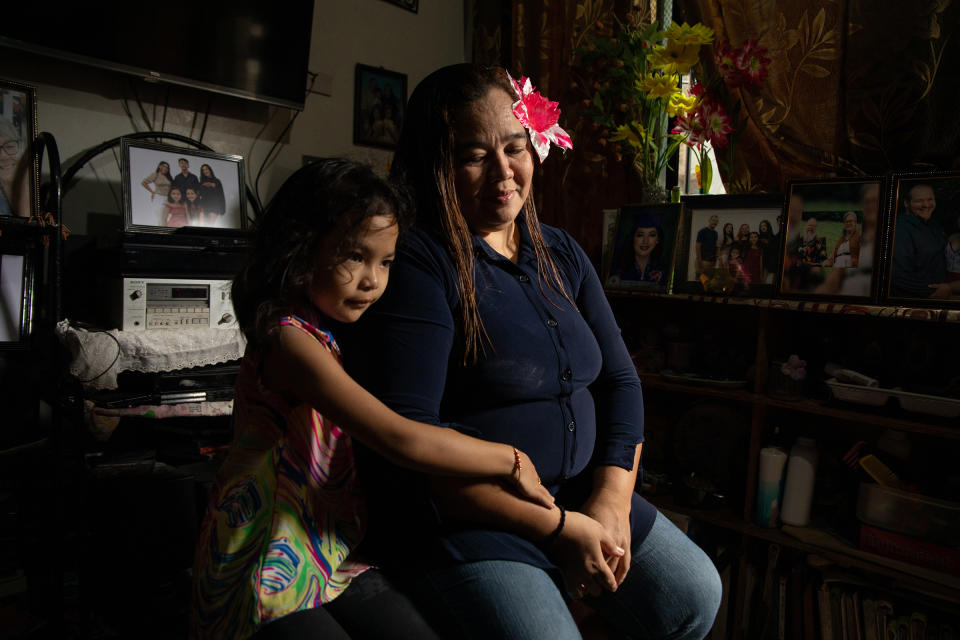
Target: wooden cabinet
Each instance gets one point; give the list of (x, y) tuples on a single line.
[(731, 344)]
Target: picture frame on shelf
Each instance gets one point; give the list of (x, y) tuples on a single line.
[(923, 247), (18, 166), (833, 237), (17, 283), (644, 248), (380, 97), (730, 245), (154, 174)]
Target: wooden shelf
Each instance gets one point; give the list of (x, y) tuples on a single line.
[(897, 419), (810, 540), (809, 306)]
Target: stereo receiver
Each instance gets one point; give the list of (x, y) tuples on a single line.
[(172, 303)]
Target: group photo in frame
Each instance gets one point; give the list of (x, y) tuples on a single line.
[(924, 246), (18, 167), (380, 97), (643, 248), (168, 187), (730, 245), (833, 238)]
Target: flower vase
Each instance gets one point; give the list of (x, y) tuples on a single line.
[(654, 193)]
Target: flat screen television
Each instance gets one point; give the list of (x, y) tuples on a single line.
[(247, 48)]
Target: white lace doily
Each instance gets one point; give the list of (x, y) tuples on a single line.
[(96, 363)]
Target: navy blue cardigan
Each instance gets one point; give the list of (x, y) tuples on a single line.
[(555, 381)]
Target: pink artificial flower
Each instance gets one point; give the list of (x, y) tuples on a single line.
[(753, 61), (716, 123), (690, 125), (743, 67), (540, 116)]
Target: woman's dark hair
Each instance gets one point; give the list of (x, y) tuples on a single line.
[(163, 163), (315, 216), (425, 161), (212, 174)]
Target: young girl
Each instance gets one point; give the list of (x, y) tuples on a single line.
[(285, 513), (193, 208), (174, 210)]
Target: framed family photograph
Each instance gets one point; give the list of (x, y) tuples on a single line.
[(644, 245), (730, 245), (17, 276), (924, 230), (833, 237), (167, 188), (380, 97), (18, 167)]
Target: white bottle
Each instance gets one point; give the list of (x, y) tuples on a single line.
[(798, 491)]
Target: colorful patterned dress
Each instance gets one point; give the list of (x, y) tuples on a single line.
[(284, 514)]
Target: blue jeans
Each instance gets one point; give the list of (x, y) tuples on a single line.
[(671, 592)]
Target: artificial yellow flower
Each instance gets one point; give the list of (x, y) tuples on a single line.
[(674, 58), (680, 103), (684, 34), (657, 86), (628, 134)]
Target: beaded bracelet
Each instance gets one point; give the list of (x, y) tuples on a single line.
[(556, 532)]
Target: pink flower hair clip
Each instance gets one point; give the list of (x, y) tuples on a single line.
[(540, 116)]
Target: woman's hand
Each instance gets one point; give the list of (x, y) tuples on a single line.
[(610, 510), (581, 551), (526, 481)]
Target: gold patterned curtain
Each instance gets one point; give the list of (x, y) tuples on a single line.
[(854, 87)]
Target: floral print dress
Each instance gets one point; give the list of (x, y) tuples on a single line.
[(284, 514)]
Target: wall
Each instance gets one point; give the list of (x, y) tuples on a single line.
[(83, 106)]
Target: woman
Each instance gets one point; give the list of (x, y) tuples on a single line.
[(211, 195), (643, 261), (846, 253), (492, 320), (753, 260), (724, 245), (743, 237), (769, 242), (158, 183)]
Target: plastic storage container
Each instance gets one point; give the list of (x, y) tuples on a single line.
[(798, 490), (911, 514)]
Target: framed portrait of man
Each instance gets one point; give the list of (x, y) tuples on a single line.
[(923, 266)]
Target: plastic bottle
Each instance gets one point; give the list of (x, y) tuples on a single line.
[(798, 491), (769, 486)]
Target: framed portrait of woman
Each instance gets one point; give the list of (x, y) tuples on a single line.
[(644, 246), (18, 167), (730, 245), (832, 239), (923, 265), (380, 97), (167, 188)]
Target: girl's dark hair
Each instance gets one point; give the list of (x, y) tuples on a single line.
[(311, 221), (425, 161), (183, 196)]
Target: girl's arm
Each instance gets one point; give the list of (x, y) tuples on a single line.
[(301, 369)]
